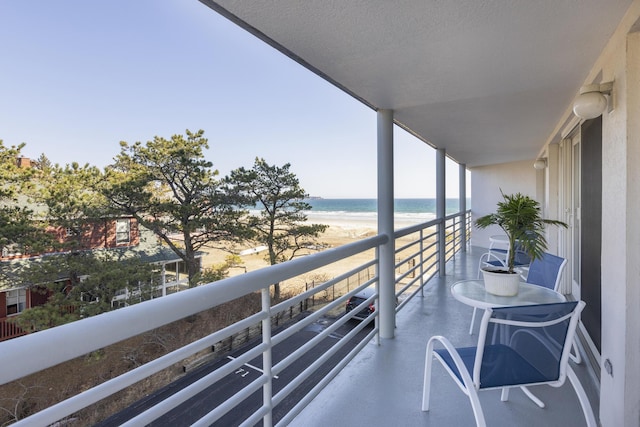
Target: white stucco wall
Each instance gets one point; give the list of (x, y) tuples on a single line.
[(620, 393), (632, 233), (620, 62), (632, 351), (487, 181)]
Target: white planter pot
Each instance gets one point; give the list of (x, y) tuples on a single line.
[(502, 284)]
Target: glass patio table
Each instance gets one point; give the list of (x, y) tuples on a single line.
[(472, 292)]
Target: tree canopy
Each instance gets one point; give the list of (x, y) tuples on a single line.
[(169, 187), (71, 199), (18, 230), (281, 221), (81, 284)]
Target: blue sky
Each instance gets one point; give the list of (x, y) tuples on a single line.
[(79, 76)]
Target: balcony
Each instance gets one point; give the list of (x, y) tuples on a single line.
[(380, 383)]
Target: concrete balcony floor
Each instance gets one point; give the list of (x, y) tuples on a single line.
[(382, 386)]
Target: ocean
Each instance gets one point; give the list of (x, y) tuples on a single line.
[(359, 210)]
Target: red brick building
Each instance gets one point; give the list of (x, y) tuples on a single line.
[(121, 234), (15, 298)]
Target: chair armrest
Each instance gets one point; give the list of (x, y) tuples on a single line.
[(487, 257), (467, 381)]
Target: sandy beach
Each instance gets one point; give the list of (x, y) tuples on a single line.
[(341, 231)]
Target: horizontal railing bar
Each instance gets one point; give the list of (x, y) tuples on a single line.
[(406, 258), (300, 351), (431, 245), (408, 285), (455, 215), (415, 228), (413, 294), (297, 381), (75, 403), (324, 381), (407, 246), (114, 326), (228, 405), (298, 326), (431, 256), (410, 269), (433, 264), (255, 418), (198, 386), (316, 289)]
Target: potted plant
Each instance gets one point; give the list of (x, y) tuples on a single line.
[(520, 218)]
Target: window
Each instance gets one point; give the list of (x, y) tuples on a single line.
[(123, 231), (16, 301)]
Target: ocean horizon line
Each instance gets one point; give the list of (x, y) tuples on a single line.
[(375, 198), (360, 211), (369, 205)]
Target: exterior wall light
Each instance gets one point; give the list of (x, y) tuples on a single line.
[(540, 164), (592, 101)]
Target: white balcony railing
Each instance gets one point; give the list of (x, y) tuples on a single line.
[(418, 255)]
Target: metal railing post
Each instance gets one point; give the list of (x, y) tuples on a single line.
[(267, 388), (422, 263)]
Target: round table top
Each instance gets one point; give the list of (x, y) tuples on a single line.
[(472, 292)]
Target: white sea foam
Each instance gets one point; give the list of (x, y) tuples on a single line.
[(360, 213), (364, 219)]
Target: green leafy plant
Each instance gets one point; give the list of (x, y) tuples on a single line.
[(520, 218)]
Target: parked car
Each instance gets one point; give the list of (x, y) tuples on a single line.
[(357, 299)]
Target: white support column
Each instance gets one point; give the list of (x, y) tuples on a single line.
[(462, 180), (441, 203), (386, 255), (620, 350), (552, 197)]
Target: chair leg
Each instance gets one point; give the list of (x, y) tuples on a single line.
[(466, 385), (473, 319), (483, 256), (533, 397), (574, 354), (477, 408), (504, 396), (582, 397), (426, 384)]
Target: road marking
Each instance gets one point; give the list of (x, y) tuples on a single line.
[(255, 368), (242, 371)]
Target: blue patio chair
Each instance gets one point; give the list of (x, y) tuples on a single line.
[(517, 347), (498, 258), (547, 272)]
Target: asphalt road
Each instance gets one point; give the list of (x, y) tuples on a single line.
[(196, 407)]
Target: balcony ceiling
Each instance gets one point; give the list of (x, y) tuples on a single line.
[(486, 80)]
